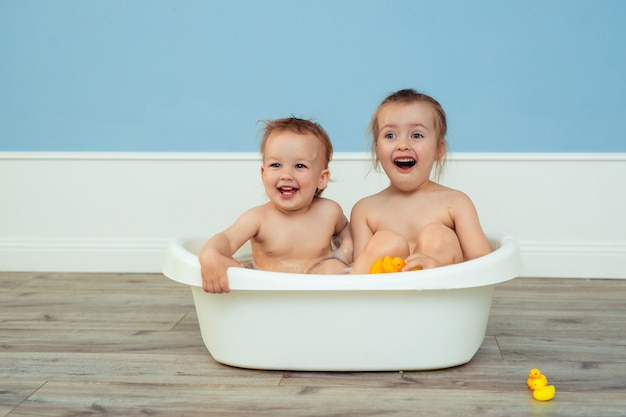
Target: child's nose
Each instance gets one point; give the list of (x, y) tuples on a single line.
[(285, 173), (402, 143)]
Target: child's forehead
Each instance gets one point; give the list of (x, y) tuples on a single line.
[(286, 142), (284, 137), (403, 113)]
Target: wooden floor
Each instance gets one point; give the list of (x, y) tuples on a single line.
[(129, 345)]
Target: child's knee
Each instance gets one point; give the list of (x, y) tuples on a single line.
[(382, 243), (389, 243), (440, 242)]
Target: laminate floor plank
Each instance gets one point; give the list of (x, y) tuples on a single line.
[(103, 341), (131, 368), (14, 391)]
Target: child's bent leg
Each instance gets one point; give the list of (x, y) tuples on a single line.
[(440, 243), (328, 266), (382, 244)]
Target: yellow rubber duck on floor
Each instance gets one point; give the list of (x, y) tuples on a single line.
[(535, 374), (538, 382)]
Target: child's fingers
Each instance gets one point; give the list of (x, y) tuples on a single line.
[(419, 261), (413, 265), (224, 285)]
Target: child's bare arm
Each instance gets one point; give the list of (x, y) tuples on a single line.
[(215, 258), (474, 243), (216, 255), (361, 233), (344, 236)]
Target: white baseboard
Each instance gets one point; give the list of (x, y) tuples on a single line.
[(567, 260), (101, 212), (82, 255)]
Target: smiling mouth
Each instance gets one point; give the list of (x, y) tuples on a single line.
[(404, 162), (287, 191)]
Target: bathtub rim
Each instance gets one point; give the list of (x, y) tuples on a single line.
[(503, 264)]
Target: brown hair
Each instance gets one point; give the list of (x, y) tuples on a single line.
[(409, 96), (301, 127)]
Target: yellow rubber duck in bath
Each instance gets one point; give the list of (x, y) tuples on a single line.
[(389, 264)]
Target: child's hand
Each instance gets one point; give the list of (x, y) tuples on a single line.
[(213, 267), (419, 261)]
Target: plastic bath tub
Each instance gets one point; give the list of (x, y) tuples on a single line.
[(417, 320)]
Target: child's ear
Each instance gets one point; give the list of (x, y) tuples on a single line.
[(441, 149), (324, 178)]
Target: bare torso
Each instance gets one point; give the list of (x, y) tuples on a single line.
[(407, 214), (294, 242)]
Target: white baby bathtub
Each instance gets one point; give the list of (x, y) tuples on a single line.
[(418, 320)]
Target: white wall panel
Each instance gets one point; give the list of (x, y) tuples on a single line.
[(114, 212)]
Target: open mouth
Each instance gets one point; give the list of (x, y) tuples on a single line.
[(404, 162), (287, 191)]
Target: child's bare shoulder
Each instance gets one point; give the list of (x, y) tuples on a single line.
[(256, 212), (368, 207), (372, 199), (455, 197), (327, 205)]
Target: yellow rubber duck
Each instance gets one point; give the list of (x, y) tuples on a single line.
[(387, 264), (393, 264), (534, 375), (541, 391), (377, 267)]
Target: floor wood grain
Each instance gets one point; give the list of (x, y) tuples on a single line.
[(129, 345)]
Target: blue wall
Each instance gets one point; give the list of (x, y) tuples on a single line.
[(193, 75)]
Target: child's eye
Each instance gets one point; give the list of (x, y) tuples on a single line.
[(390, 135), (417, 136), (300, 166), (274, 165)]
